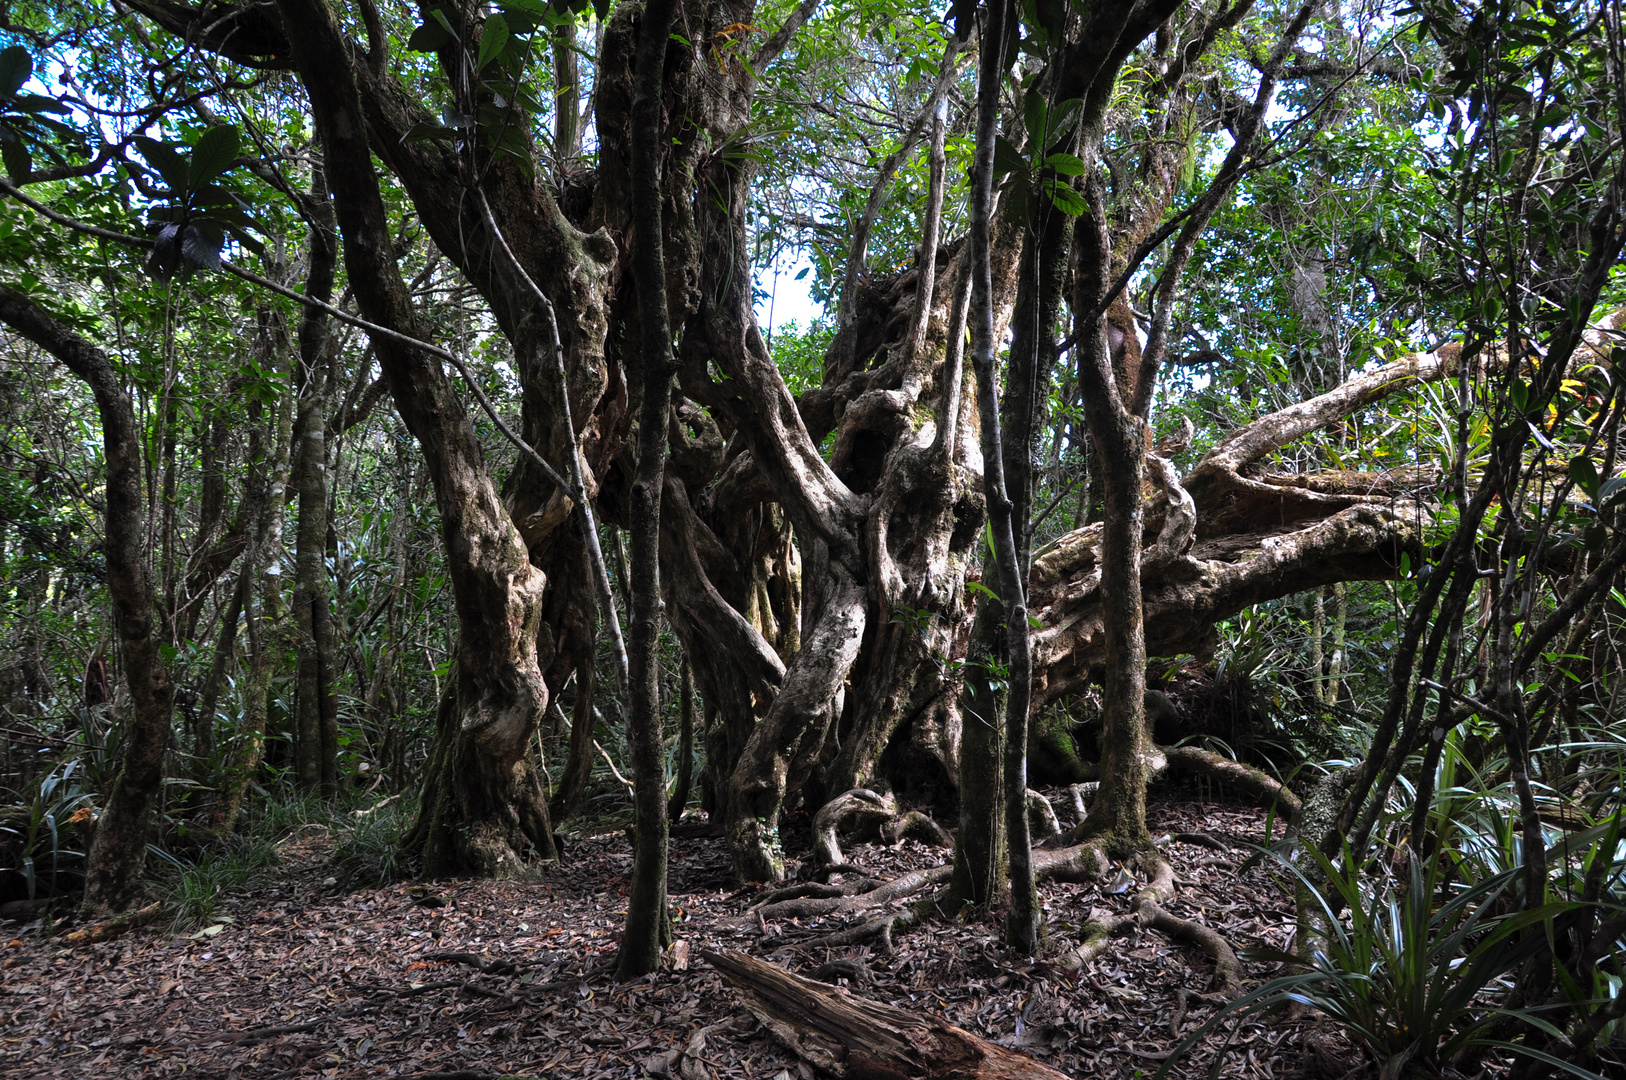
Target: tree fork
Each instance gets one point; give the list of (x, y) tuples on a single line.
[(488, 811)]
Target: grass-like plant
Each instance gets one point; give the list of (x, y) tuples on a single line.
[(39, 825), (369, 854), (1417, 968)]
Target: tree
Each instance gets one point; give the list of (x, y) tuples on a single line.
[(121, 834), (869, 565)]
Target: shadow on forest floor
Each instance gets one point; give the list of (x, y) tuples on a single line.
[(479, 978)]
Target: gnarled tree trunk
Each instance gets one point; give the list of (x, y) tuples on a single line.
[(484, 810), (120, 848)]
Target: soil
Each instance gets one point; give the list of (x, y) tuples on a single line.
[(515, 978)]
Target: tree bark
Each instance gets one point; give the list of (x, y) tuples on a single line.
[(853, 1038), (316, 726), (1105, 363), (685, 750), (648, 925), (120, 848), (267, 632), (483, 808), (1022, 929)]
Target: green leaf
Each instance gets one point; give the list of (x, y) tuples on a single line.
[(1519, 394), (977, 588), (424, 130), (1064, 117), (37, 103), (15, 155), (492, 40), (201, 242), (1585, 475), (1036, 113), (214, 154), (429, 37), (16, 67), (1066, 199), (171, 166), (439, 15), (1007, 158), (1065, 164)]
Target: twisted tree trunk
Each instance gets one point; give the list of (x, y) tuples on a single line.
[(120, 848), (484, 810)]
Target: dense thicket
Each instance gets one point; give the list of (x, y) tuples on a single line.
[(393, 402)]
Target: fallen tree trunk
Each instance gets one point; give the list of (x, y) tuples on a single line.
[(857, 1039)]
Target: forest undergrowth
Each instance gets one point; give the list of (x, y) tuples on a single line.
[(287, 973)]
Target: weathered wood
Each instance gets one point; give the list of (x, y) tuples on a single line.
[(112, 928), (857, 1039)]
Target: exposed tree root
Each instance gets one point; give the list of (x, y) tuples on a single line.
[(1196, 839), (809, 907), (1245, 778), (1081, 793), (862, 804), (855, 971), (916, 824), (1081, 862), (111, 928), (859, 803), (1042, 823), (877, 930)]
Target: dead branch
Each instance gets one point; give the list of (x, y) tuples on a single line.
[(857, 1039), (111, 928)]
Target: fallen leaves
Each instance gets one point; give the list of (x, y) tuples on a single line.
[(295, 981)]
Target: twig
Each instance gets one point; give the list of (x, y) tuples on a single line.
[(611, 764)]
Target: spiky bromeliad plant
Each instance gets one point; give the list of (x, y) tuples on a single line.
[(1417, 968)]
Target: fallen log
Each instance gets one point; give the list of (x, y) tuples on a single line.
[(854, 1038), (111, 928)]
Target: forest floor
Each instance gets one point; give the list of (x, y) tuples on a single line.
[(293, 979)]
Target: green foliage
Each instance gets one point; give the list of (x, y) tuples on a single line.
[(368, 851), (27, 121), (193, 888), (799, 353), (191, 228), (1415, 967), (37, 828)]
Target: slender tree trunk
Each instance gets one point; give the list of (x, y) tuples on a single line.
[(567, 139), (1340, 622), (120, 847), (579, 755), (316, 724), (1022, 930), (1107, 360), (648, 925), (225, 651), (1318, 634), (685, 752), (981, 869), (269, 632)]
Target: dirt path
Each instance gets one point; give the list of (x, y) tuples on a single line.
[(302, 982)]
